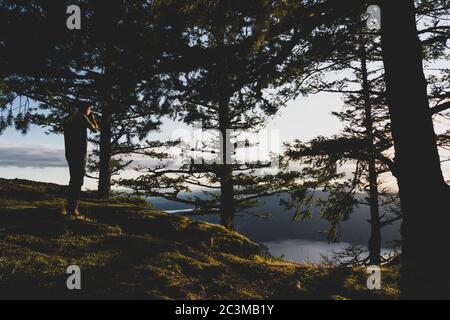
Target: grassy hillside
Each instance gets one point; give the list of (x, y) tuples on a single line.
[(128, 250)]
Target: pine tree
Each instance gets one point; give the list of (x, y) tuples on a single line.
[(416, 153), (364, 142), (227, 92), (101, 64), (423, 190)]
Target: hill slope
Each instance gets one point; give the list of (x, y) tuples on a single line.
[(125, 249)]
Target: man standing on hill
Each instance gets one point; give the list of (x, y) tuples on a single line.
[(75, 140)]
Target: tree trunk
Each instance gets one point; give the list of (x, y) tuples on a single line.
[(227, 199), (226, 171), (104, 184), (423, 192), (375, 226)]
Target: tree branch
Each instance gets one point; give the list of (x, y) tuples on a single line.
[(439, 108)]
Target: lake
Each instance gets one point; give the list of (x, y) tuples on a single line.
[(299, 250), (296, 250), (300, 241)]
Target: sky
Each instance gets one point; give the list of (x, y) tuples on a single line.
[(40, 156)]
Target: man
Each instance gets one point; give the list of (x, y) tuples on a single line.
[(75, 139)]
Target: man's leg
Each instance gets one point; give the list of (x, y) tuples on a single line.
[(77, 172)]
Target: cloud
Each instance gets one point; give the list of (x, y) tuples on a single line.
[(32, 156)]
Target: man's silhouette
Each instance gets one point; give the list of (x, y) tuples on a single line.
[(75, 139)]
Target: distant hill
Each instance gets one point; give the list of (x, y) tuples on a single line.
[(280, 227), (127, 250)]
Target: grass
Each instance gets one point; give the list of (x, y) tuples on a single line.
[(127, 249)]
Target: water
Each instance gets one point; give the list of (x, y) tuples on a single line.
[(300, 251), (180, 211), (301, 242)]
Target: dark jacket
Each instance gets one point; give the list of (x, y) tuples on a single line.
[(75, 137)]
